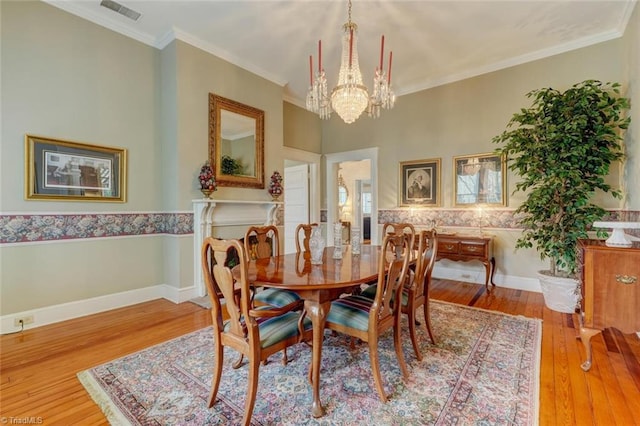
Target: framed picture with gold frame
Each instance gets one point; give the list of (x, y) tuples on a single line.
[(62, 170), (419, 182), (479, 179)]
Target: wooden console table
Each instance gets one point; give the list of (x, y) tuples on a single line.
[(610, 290), (466, 248)]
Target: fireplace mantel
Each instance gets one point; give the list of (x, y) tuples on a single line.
[(229, 218)]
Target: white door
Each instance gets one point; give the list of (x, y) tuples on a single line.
[(296, 200), (357, 206)]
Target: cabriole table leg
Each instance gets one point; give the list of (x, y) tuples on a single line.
[(317, 313), (585, 335)]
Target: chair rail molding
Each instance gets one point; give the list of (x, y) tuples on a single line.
[(218, 218)]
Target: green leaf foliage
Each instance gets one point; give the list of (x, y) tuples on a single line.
[(562, 147), (230, 166)]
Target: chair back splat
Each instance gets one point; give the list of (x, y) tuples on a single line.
[(262, 241), (399, 229), (303, 231), (254, 332)]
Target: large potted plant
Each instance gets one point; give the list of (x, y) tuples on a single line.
[(561, 147)]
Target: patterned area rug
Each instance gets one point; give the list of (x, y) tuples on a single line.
[(484, 370)]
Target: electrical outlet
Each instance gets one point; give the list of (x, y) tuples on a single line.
[(466, 275), (28, 319)]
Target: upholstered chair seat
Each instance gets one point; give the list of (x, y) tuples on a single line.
[(352, 311)]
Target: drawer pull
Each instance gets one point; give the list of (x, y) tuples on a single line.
[(449, 246), (626, 279), (472, 248)]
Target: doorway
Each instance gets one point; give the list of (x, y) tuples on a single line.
[(333, 165)]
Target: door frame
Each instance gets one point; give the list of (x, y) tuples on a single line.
[(331, 174)]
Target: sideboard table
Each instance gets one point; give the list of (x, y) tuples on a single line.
[(466, 248), (610, 290)]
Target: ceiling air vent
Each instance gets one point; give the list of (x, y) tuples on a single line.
[(122, 10)]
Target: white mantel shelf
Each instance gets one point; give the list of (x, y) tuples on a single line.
[(209, 214)]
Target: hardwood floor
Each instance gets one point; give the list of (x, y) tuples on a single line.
[(38, 367)]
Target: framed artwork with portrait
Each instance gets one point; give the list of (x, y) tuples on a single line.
[(420, 183), (479, 179)]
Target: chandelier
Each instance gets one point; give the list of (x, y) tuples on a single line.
[(350, 98)]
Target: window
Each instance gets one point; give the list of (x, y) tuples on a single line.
[(366, 202)]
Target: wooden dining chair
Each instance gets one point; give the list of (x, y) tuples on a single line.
[(415, 292), (303, 232), (367, 319), (261, 242), (255, 332)]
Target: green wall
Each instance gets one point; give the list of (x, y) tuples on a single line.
[(461, 118), (67, 78)]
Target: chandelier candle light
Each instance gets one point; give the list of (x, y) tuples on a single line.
[(350, 98)]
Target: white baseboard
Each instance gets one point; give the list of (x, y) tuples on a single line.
[(80, 308), (507, 281)]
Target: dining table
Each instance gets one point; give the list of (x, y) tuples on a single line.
[(317, 285)]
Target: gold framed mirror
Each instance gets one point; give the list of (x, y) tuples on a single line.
[(236, 143), (343, 192)]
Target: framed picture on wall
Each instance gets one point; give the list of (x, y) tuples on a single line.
[(479, 179), (420, 183), (61, 170)]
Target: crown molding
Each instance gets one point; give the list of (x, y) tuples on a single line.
[(185, 37), (511, 62), (103, 21)]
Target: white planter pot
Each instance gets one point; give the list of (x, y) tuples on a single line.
[(560, 294)]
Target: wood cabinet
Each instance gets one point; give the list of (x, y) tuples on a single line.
[(468, 248), (610, 278)]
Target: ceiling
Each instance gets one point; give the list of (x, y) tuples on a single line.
[(433, 42)]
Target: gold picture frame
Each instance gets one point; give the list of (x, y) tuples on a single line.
[(479, 179), (419, 182), (62, 170)]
